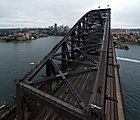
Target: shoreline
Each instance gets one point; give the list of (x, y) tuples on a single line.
[(14, 40), (25, 40), (124, 45)]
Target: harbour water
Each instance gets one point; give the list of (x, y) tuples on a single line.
[(15, 59), (129, 61)]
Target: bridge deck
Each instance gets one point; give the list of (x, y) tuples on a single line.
[(83, 84), (80, 76)]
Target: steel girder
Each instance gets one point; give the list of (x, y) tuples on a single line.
[(85, 44)]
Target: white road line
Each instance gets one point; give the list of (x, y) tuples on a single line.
[(70, 100), (83, 86)]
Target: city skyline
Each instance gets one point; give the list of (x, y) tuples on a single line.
[(36, 13)]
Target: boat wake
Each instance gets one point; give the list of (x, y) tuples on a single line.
[(129, 60)]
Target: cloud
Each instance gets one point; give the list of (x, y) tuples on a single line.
[(24, 13), (47, 11)]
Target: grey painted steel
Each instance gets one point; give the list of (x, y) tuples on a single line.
[(88, 38), (53, 102), (75, 94)]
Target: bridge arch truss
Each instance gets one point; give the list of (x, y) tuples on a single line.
[(78, 71)]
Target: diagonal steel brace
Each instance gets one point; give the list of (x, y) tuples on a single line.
[(75, 94), (83, 53)]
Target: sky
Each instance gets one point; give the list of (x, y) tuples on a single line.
[(43, 13)]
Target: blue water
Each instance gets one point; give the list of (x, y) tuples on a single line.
[(130, 80), (15, 59)]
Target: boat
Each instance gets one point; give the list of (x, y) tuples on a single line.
[(32, 63)]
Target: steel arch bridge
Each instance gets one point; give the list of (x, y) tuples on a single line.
[(81, 78)]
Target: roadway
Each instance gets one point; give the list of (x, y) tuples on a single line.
[(92, 92), (82, 83)]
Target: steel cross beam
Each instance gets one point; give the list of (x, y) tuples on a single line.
[(94, 46), (75, 94), (59, 106), (58, 76), (76, 61), (83, 53)]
